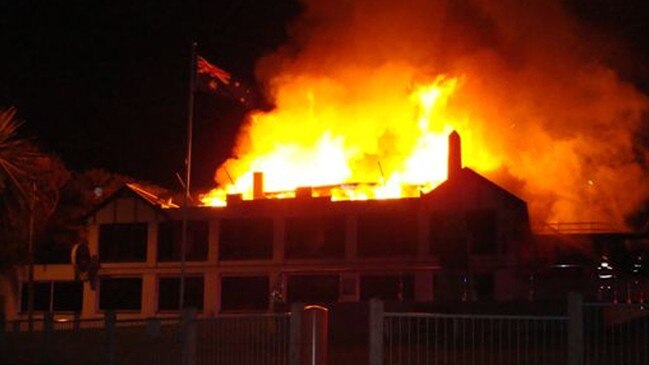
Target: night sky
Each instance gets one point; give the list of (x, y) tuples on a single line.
[(104, 83)]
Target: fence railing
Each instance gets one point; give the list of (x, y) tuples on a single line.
[(255, 338), (589, 334), (244, 339), (616, 334), (436, 338)]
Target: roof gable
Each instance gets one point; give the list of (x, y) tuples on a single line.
[(470, 183), (138, 194)]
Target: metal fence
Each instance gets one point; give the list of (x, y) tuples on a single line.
[(256, 338), (616, 334), (436, 338), (91, 341), (589, 334), (244, 339)]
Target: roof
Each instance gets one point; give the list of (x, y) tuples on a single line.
[(465, 181), (151, 198), (137, 190)]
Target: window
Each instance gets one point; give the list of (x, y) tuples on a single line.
[(312, 289), (482, 228), (483, 286), (66, 296), (244, 293), (123, 242), (387, 287), (170, 241), (120, 294), (315, 237), (169, 293), (246, 239), (448, 239), (387, 234)]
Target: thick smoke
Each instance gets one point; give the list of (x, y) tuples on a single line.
[(534, 91)]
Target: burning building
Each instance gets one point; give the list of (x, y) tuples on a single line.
[(374, 204), (466, 240)]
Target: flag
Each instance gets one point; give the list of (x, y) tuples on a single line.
[(213, 79), (216, 74)]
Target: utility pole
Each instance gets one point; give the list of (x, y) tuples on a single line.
[(188, 171)]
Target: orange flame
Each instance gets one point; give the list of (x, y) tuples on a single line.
[(373, 148), (361, 108)]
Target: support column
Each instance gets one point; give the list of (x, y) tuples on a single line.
[(90, 301), (211, 300), (148, 300)]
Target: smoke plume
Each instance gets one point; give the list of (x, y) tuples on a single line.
[(538, 109)]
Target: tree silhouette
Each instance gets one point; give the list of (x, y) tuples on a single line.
[(30, 181)]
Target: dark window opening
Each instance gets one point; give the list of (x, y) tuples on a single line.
[(120, 294), (388, 287), (246, 239), (123, 242), (387, 234), (170, 241), (65, 296), (169, 293), (448, 239), (559, 280), (482, 229), (483, 286), (313, 289), (450, 287), (244, 293), (315, 237)]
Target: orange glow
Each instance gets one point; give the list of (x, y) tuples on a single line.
[(366, 93), (388, 143)]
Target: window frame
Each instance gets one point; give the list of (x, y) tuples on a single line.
[(52, 296)]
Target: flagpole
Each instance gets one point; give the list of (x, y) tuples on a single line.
[(188, 170)]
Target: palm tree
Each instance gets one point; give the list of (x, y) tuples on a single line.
[(15, 155), (29, 179)]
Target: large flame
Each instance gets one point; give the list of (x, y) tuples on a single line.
[(366, 93), (390, 142)]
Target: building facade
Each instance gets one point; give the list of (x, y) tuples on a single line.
[(467, 240)]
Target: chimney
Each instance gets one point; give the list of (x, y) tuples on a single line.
[(257, 185), (454, 155)]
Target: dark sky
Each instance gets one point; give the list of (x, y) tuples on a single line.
[(104, 83)]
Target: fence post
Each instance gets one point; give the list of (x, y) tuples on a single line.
[(575, 329), (48, 333), (297, 309), (189, 337), (109, 336), (376, 332), (315, 333)]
